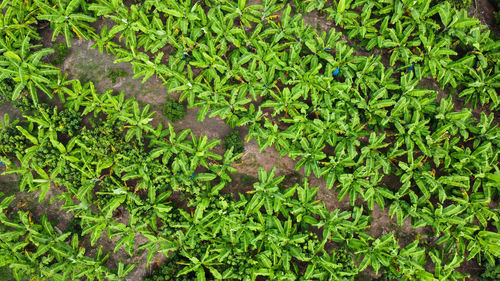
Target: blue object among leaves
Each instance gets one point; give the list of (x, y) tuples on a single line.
[(411, 67), (192, 176), (336, 72), (183, 56)]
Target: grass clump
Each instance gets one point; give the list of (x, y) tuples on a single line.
[(174, 110), (114, 74), (233, 140), (61, 52)]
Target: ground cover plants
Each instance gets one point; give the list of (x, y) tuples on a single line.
[(174, 110), (352, 105)]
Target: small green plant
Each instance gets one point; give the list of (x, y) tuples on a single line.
[(169, 270), (6, 88), (491, 272), (61, 52), (233, 140), (11, 139), (74, 226), (113, 74), (174, 110)]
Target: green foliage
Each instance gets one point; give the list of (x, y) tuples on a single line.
[(174, 110), (6, 274), (61, 51), (115, 73), (65, 19), (491, 272), (11, 139), (233, 140), (168, 271), (367, 125), (459, 4), (74, 226), (38, 251), (6, 88)]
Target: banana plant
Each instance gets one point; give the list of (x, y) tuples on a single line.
[(188, 15), (17, 20), (436, 52), (159, 34), (268, 8), (26, 69), (481, 87), (223, 28), (376, 254), (287, 101), (253, 120), (138, 122), (288, 29), (306, 204), (201, 151), (229, 106), (454, 19), (198, 265), (311, 152), (339, 226), (247, 14), (401, 43), (445, 265), (410, 263), (128, 232), (343, 57), (210, 61), (487, 242), (341, 14), (266, 193), (64, 19), (128, 21), (103, 42), (311, 5), (41, 251), (364, 29)]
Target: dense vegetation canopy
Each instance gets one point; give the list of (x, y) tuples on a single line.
[(393, 106)]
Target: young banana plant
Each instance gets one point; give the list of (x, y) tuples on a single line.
[(26, 69), (64, 19), (341, 14)]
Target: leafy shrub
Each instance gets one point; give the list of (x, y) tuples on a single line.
[(233, 140), (47, 155), (61, 52), (68, 121), (74, 226), (169, 270), (11, 139), (174, 110), (6, 88), (113, 74), (491, 272)]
